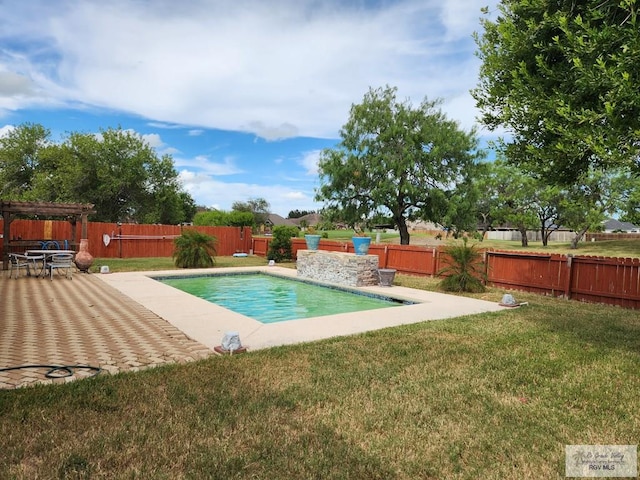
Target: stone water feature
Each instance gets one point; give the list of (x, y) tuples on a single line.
[(338, 267)]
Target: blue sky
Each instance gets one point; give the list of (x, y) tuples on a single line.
[(243, 94)]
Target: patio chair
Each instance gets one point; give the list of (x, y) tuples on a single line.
[(18, 261), (61, 261)]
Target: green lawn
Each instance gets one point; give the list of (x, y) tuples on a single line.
[(166, 263), (491, 396)]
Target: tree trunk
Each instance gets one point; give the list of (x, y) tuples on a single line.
[(401, 222), (578, 237), (523, 235), (545, 237), (484, 233), (486, 225)]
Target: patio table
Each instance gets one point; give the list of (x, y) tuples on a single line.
[(45, 254)]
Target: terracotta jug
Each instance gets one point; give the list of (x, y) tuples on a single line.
[(83, 258)]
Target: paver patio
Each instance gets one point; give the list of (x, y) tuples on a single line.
[(81, 322)]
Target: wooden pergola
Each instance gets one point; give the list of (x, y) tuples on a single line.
[(12, 209)]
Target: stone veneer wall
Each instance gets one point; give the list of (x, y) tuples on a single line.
[(338, 267)]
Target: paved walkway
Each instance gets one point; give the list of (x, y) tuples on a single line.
[(81, 322)]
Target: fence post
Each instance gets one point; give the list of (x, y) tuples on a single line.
[(485, 260), (434, 262), (567, 288)]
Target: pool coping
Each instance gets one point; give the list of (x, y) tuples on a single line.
[(206, 322)]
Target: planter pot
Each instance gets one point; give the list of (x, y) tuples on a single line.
[(312, 241), (361, 245), (386, 276), (83, 258)]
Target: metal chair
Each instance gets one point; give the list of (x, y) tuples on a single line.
[(16, 262), (60, 261)]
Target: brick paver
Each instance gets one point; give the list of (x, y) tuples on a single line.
[(81, 322)]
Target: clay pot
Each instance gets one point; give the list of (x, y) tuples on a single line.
[(83, 258)]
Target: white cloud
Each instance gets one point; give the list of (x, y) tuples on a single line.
[(15, 84), (205, 166), (295, 196), (272, 132), (276, 69), (153, 139), (460, 17), (168, 126), (213, 193), (6, 130), (310, 162)]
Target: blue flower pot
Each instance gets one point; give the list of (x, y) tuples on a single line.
[(361, 245), (312, 241)]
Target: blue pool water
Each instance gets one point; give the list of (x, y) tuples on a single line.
[(270, 299)]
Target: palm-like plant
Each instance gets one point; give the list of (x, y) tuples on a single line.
[(194, 249), (465, 269)]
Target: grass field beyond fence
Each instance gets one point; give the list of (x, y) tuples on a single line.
[(491, 396)]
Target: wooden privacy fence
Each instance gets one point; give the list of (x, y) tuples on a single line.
[(111, 240), (610, 280), (403, 258)]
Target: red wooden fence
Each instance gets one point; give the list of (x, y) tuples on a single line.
[(610, 280), (538, 273), (110, 240), (615, 281)]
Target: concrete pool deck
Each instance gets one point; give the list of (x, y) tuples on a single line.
[(206, 322)]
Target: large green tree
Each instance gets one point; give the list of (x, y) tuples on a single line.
[(21, 151), (586, 204), (116, 170), (509, 192), (516, 199), (629, 188), (258, 207), (561, 77), (396, 160)]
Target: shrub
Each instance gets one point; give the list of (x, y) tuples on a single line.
[(465, 269), (194, 249), (280, 248)]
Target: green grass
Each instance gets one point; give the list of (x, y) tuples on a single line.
[(606, 248), (166, 263), (490, 396)]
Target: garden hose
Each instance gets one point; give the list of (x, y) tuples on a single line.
[(57, 371)]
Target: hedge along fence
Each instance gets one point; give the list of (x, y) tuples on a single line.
[(110, 240), (610, 280)]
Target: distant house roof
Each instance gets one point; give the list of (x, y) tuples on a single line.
[(422, 225), (611, 225), (311, 219), (275, 220)]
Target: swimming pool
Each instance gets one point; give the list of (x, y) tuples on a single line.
[(269, 299), (207, 322)]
